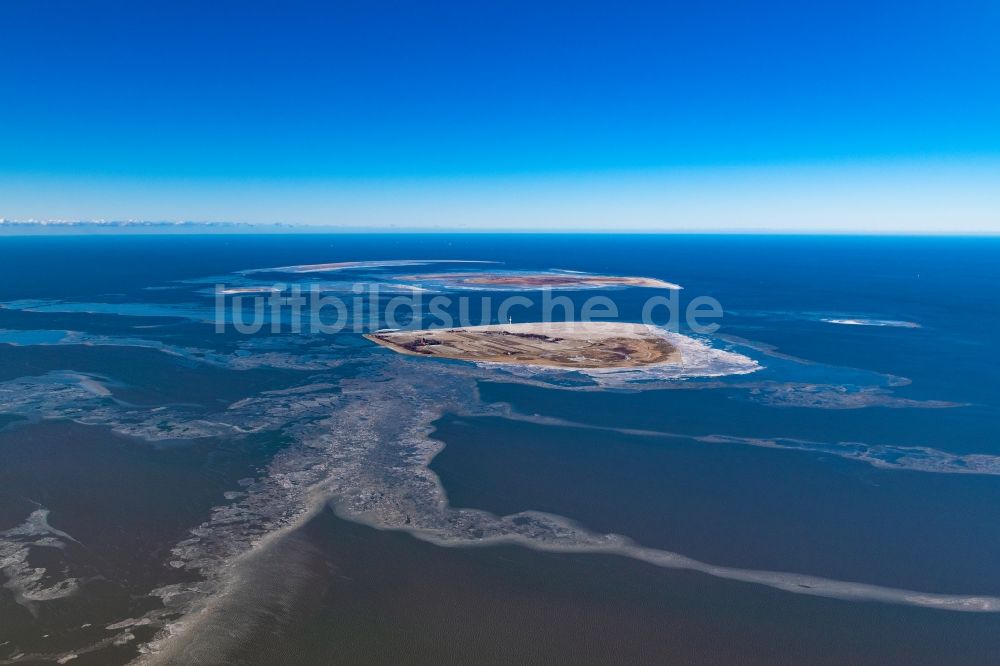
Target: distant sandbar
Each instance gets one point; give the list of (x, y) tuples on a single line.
[(358, 265), (535, 280)]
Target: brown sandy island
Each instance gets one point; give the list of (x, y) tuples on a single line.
[(584, 345)]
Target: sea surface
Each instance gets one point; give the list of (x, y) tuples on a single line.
[(823, 486)]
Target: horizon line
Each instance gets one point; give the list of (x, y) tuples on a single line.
[(18, 228)]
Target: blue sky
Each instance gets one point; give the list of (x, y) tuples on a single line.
[(851, 116)]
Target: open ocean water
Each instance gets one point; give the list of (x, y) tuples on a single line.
[(314, 498)]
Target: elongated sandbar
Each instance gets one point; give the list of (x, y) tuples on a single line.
[(541, 280)]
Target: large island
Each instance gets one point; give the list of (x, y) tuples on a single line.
[(581, 345)]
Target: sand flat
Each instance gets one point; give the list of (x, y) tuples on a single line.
[(542, 279), (584, 345)]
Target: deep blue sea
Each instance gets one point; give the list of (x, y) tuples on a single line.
[(312, 496)]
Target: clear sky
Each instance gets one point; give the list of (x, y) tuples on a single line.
[(869, 116)]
